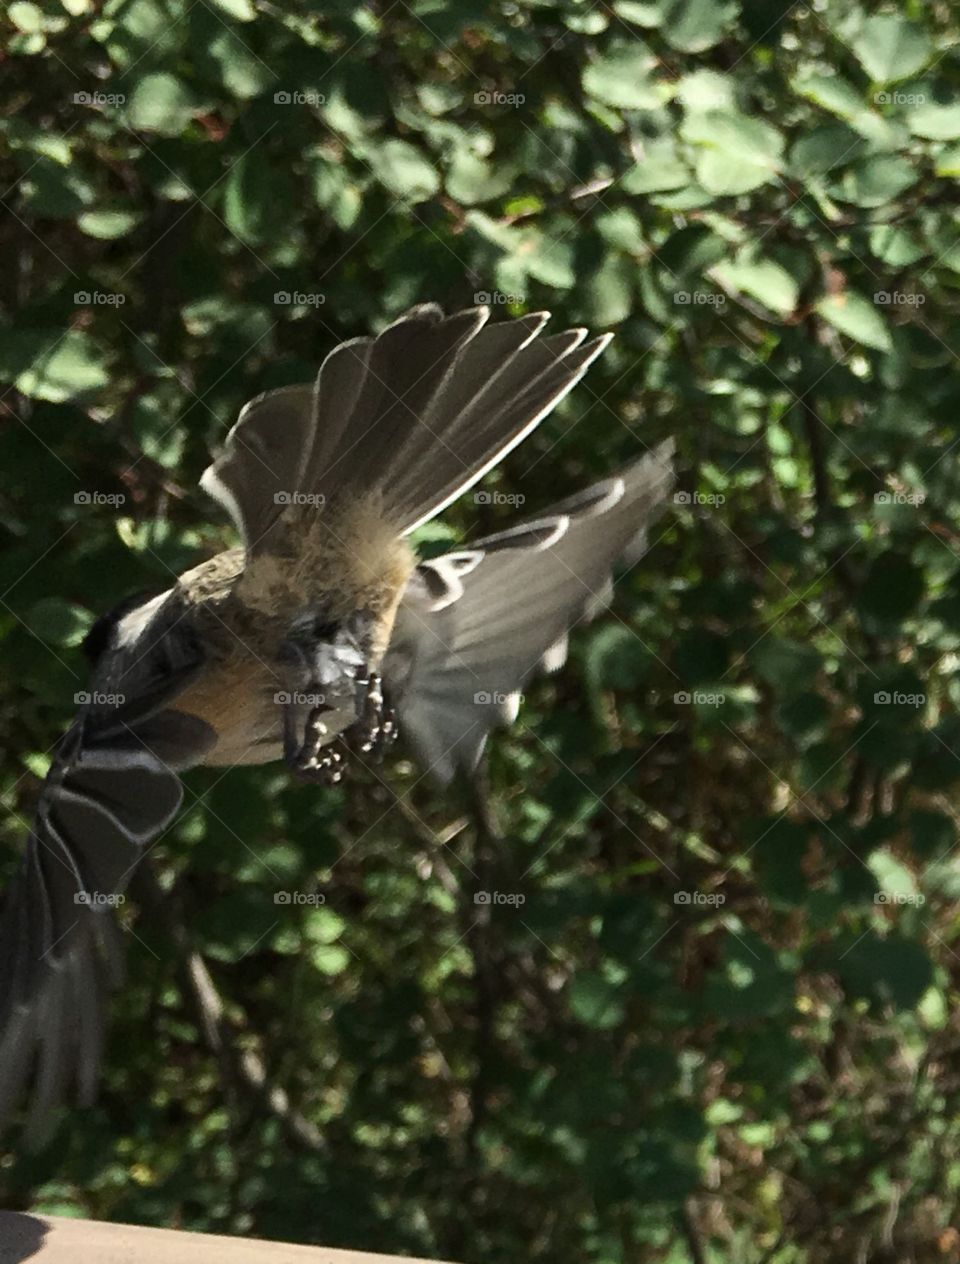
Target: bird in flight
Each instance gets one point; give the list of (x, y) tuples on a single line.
[(322, 635)]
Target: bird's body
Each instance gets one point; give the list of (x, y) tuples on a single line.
[(300, 643)]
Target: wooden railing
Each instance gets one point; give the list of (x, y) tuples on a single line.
[(54, 1240)]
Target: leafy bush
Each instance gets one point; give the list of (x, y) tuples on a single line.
[(722, 1025)]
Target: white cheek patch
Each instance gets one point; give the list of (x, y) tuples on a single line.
[(131, 627)]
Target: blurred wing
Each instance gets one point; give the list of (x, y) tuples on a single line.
[(109, 794), (474, 626)]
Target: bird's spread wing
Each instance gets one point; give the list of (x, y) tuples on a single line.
[(474, 626), (110, 792)]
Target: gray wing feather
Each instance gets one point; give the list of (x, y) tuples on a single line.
[(107, 796), (455, 670)]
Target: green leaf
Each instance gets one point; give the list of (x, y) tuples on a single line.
[(855, 316), (895, 246), (161, 103), (239, 10), (471, 180), (823, 148), (330, 959), (890, 48), (59, 622), (659, 167), (108, 225), (595, 1002), (25, 16), (705, 90), (252, 192), (947, 163), (616, 658), (621, 77), (935, 122), (762, 279), (404, 170), (892, 969), (336, 194), (737, 153), (785, 663), (607, 296), (68, 367), (876, 180), (695, 25)]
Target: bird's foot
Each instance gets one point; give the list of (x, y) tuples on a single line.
[(313, 760), (375, 728)]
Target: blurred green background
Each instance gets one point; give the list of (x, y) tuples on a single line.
[(723, 1025)]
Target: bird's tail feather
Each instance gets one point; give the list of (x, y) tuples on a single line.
[(418, 415)]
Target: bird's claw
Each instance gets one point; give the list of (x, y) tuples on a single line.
[(375, 728)]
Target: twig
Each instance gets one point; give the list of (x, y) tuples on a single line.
[(241, 1069)]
